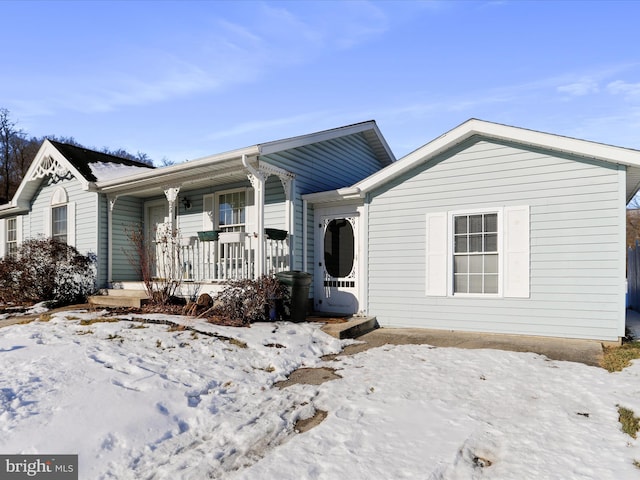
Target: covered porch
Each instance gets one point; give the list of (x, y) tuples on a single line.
[(219, 218)]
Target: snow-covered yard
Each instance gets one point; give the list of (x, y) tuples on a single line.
[(145, 401)]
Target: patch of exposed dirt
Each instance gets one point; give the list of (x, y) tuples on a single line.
[(309, 376), (304, 425)]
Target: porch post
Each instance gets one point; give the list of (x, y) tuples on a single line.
[(258, 180), (111, 204), (172, 195), (288, 187)]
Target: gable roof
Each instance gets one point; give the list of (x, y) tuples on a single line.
[(62, 159), (81, 158), (630, 158)]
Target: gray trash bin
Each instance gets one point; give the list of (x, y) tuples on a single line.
[(298, 284)]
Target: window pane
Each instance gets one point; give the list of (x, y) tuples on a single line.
[(461, 245), (461, 264), (475, 264), (460, 284), (475, 223), (475, 243), (491, 222), (231, 209), (460, 225), (490, 263), (59, 223), (475, 283), (11, 230), (491, 284), (491, 242), (339, 250)]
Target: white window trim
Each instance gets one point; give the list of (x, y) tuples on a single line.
[(5, 234), (60, 198), (214, 223), (450, 254)]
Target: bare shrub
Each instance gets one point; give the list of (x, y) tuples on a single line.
[(158, 262), (46, 270), (242, 302)]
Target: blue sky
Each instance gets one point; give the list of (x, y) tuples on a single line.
[(183, 80)]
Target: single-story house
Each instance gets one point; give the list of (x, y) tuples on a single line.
[(488, 228)]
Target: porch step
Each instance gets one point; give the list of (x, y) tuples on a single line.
[(120, 298), (352, 328)]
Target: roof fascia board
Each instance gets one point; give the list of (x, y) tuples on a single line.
[(347, 193), (303, 140), (163, 175), (470, 128), (383, 142)]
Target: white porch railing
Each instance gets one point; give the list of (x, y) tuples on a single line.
[(231, 256)]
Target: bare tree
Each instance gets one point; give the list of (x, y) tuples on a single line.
[(7, 133)]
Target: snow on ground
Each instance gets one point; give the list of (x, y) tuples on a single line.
[(140, 401)]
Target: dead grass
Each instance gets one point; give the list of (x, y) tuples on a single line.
[(630, 423), (615, 359), (100, 320)]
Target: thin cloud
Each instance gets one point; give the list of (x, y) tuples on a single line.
[(580, 88), (627, 89)]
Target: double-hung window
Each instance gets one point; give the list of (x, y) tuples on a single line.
[(59, 223), (232, 211), (475, 253), (12, 236)]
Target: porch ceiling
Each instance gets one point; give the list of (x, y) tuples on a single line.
[(189, 176)]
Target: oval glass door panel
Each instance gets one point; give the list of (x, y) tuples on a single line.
[(339, 248)]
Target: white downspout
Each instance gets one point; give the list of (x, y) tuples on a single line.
[(257, 181), (111, 202), (305, 260)]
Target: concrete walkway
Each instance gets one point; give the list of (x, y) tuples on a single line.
[(588, 352)]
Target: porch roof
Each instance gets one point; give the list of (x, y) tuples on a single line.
[(215, 169), (227, 167)]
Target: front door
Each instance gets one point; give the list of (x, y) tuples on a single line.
[(336, 275)]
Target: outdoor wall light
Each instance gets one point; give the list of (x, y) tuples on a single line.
[(186, 203)]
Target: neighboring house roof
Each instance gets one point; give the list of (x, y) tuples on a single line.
[(227, 166), (474, 127)]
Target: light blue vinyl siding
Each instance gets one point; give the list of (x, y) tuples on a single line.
[(86, 213), (323, 166), (575, 242)]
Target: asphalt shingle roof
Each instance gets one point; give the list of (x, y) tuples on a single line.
[(81, 157)]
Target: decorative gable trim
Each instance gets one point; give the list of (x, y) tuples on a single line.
[(49, 166)]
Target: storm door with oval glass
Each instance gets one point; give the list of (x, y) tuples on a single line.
[(337, 265)]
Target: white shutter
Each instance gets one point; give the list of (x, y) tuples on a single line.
[(208, 214), (516, 252), (46, 222), (436, 255), (250, 212), (3, 237), (71, 224)]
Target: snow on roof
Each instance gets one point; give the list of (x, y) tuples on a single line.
[(104, 171)]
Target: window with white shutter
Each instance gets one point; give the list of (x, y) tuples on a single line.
[(478, 253)]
